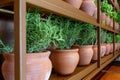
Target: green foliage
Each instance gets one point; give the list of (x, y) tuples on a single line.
[(117, 19), (103, 36), (88, 35), (109, 38), (118, 38), (70, 32), (4, 48)]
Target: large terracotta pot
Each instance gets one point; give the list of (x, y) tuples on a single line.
[(64, 61), (88, 6), (38, 66), (107, 48), (75, 3), (85, 54)]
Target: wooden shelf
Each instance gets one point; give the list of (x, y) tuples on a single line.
[(88, 71), (6, 3)]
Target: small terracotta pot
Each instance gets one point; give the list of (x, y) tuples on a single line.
[(75, 3), (88, 6), (103, 48), (38, 66), (107, 20), (95, 13), (103, 17), (95, 52), (111, 49), (85, 54), (64, 61), (107, 48), (111, 23)]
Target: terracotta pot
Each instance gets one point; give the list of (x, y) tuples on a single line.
[(38, 66), (103, 48), (116, 4), (75, 3), (111, 49), (107, 20), (64, 61), (111, 23), (103, 18), (85, 54), (88, 6), (95, 13), (95, 52), (107, 48)]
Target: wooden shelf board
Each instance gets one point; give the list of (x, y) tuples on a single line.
[(92, 74), (78, 74), (88, 71), (6, 3), (63, 8)]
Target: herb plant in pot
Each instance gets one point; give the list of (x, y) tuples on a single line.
[(8, 64), (38, 64), (85, 43), (63, 58)]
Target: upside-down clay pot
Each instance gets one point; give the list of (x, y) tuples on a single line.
[(88, 6), (38, 66), (64, 61), (75, 3), (85, 54)]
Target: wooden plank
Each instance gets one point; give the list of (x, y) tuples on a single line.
[(92, 74), (20, 39), (78, 74), (63, 8), (105, 58), (6, 2)]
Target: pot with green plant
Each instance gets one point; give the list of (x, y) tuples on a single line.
[(85, 43), (38, 64), (103, 44), (65, 59)]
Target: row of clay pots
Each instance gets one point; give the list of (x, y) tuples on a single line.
[(87, 6)]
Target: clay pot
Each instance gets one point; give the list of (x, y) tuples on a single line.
[(107, 48), (88, 6), (107, 20), (85, 54), (111, 49), (75, 3), (95, 52), (95, 13), (111, 23), (103, 49), (103, 18), (116, 4), (38, 66), (64, 61)]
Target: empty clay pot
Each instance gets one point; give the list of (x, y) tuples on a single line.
[(38, 66), (88, 6), (85, 54), (75, 3), (64, 61)]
